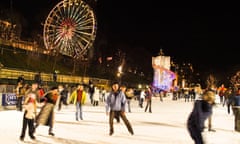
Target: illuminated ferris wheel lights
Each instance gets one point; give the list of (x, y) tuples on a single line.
[(70, 28)]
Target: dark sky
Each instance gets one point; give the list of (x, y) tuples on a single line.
[(206, 35)]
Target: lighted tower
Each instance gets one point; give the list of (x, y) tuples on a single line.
[(163, 77)]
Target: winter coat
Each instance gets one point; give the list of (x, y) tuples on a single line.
[(201, 111), (73, 97)]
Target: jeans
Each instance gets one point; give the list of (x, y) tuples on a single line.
[(79, 110)]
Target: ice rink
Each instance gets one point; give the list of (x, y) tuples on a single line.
[(165, 125)]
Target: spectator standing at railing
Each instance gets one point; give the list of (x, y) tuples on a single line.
[(55, 76), (21, 79), (38, 79), (19, 95)]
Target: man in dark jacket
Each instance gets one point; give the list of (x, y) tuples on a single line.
[(201, 111)]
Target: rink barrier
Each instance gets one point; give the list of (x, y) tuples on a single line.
[(8, 101)]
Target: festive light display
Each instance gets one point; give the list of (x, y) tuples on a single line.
[(70, 28), (163, 77)]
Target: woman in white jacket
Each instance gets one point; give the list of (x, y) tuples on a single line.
[(96, 96), (30, 109)]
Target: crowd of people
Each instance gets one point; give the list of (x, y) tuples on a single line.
[(38, 104)]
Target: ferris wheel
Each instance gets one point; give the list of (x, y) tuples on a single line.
[(70, 28)]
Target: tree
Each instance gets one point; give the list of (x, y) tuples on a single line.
[(235, 80), (211, 82)]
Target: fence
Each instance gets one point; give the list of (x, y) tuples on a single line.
[(11, 75)]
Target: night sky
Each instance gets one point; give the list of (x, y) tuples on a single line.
[(206, 35)]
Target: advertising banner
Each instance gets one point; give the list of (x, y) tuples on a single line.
[(9, 99)]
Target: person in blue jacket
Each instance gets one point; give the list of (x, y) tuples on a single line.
[(116, 104), (201, 111), (236, 110)]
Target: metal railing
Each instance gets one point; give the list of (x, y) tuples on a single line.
[(13, 74)]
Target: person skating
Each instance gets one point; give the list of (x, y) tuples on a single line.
[(46, 114), (148, 99), (201, 111), (236, 110), (117, 115), (30, 107), (78, 98), (115, 103)]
